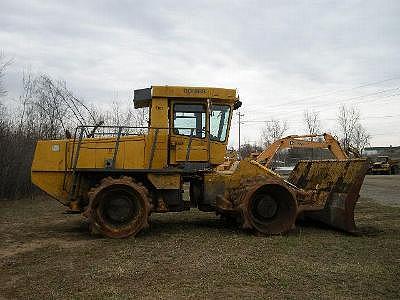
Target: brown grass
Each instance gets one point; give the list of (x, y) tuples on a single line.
[(195, 255)]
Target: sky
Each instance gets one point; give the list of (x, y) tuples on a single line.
[(283, 57)]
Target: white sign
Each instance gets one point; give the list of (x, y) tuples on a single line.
[(55, 148)]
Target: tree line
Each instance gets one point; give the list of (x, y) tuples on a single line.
[(45, 109)]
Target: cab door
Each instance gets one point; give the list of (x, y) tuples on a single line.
[(220, 117), (188, 142)]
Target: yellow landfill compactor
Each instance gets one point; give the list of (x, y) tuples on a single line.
[(117, 176)]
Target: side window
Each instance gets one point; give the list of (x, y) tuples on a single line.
[(190, 118), (219, 119)]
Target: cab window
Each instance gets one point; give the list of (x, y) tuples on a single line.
[(219, 119), (190, 119)]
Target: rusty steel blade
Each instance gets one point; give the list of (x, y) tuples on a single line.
[(329, 189)]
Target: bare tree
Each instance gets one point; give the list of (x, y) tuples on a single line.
[(246, 149), (352, 133), (122, 113), (49, 108), (140, 117), (274, 130), (348, 118), (3, 119), (3, 66), (312, 125), (360, 138), (312, 121)]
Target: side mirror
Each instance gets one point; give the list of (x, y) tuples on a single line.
[(237, 104)]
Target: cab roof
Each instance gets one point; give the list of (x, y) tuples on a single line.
[(142, 97)]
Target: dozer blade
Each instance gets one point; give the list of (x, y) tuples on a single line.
[(329, 189)]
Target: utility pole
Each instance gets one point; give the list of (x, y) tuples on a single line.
[(240, 115)]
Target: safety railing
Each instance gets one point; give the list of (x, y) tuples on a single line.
[(87, 132)]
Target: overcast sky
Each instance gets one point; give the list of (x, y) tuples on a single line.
[(283, 56)]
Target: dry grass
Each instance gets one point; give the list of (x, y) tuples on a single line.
[(195, 255)]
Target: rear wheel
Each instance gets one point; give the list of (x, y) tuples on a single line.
[(119, 207)]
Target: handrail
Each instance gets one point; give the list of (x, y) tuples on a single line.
[(189, 145), (116, 147), (84, 129), (153, 148), (75, 162)]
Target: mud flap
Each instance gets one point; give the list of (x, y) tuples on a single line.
[(329, 189)]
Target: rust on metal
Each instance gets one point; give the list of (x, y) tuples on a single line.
[(324, 190), (329, 189), (118, 207), (269, 208)]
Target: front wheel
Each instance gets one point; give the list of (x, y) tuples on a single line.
[(270, 209)]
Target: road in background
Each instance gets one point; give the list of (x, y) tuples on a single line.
[(384, 189)]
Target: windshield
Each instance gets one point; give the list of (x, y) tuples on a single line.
[(219, 119)]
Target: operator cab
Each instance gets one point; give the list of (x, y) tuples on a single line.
[(193, 121)]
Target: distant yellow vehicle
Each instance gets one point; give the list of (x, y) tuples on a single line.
[(117, 175), (384, 165)]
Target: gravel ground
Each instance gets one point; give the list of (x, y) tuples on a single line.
[(384, 189)]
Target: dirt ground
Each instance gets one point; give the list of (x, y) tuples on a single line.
[(47, 254)]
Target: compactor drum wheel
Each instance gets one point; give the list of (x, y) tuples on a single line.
[(264, 208), (270, 209), (119, 207)]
